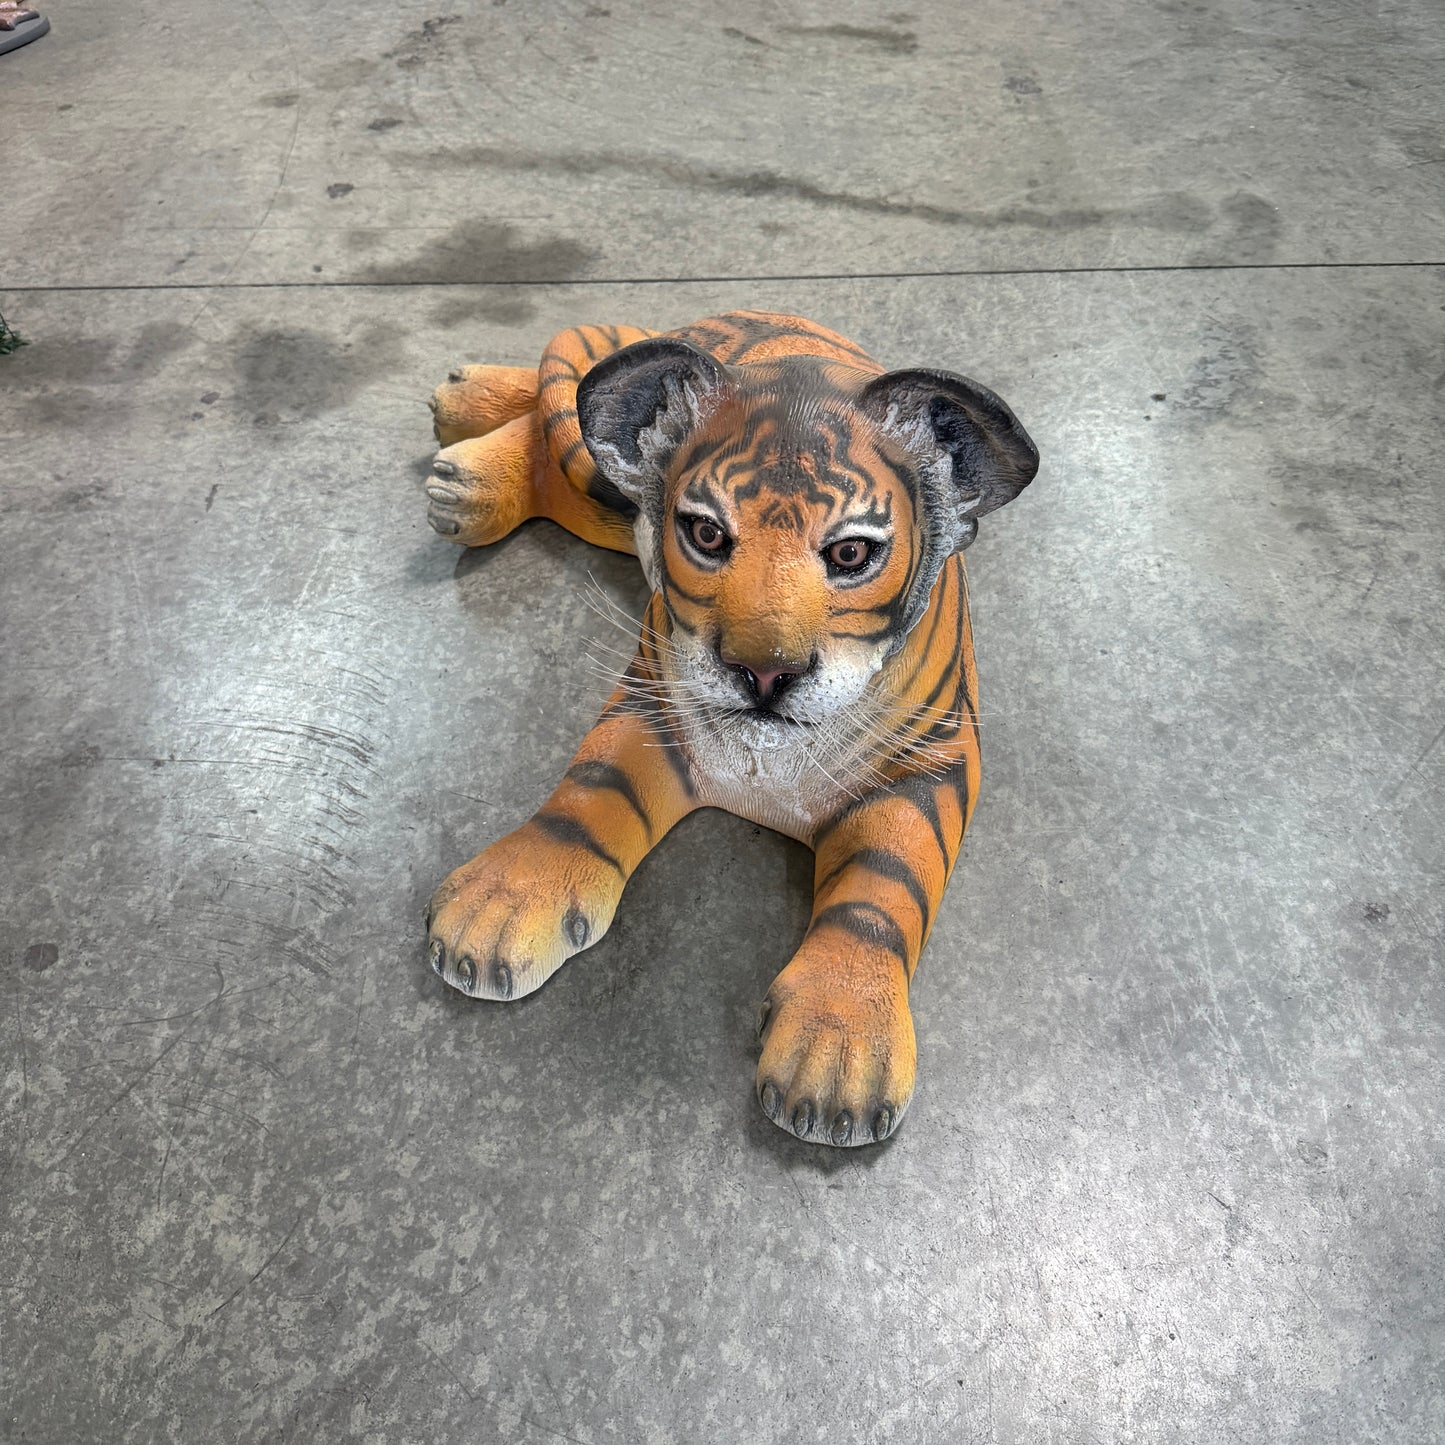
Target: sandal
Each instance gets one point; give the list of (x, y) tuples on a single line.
[(19, 25)]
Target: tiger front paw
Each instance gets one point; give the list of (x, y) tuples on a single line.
[(500, 926), (839, 1053)]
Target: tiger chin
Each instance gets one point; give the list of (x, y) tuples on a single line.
[(805, 659)]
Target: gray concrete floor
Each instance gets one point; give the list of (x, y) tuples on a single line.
[(1174, 1169)]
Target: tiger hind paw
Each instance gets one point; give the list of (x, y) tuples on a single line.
[(482, 488), (474, 400)]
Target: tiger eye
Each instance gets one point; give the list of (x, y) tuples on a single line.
[(849, 554), (706, 535)]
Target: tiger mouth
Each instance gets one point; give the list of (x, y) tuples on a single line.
[(766, 715)]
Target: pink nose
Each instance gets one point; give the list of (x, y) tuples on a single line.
[(764, 684)]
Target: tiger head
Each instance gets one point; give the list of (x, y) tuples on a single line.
[(794, 514)]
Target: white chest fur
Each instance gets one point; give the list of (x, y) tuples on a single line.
[(781, 782)]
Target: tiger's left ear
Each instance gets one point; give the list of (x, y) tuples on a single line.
[(960, 433), (636, 406)]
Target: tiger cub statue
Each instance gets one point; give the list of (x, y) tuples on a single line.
[(805, 660)]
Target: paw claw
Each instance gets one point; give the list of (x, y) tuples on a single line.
[(444, 495), (467, 973), (842, 1129), (438, 955), (502, 980), (882, 1124), (764, 1014), (444, 526), (443, 469), (577, 928), (802, 1124), (771, 1099)]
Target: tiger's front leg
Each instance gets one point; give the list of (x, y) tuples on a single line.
[(501, 925), (839, 1055)]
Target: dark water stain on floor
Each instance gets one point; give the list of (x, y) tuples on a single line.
[(420, 46), (482, 251), (1225, 377), (93, 361), (283, 372), (1248, 233), (895, 42), (70, 376), (501, 308), (1169, 211), (41, 956)]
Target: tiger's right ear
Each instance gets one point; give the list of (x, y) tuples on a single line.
[(636, 406)]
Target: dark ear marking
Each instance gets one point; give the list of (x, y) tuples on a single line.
[(637, 406), (938, 416)]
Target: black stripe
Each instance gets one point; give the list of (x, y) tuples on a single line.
[(957, 779), (758, 328), (877, 636), (649, 711), (605, 777), (907, 477), (674, 756), (570, 451), (954, 673), (605, 494), (580, 333), (699, 451), (556, 415), (674, 589), (868, 924), (925, 655), (920, 789), (569, 830), (903, 596), (885, 865), (926, 802)]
